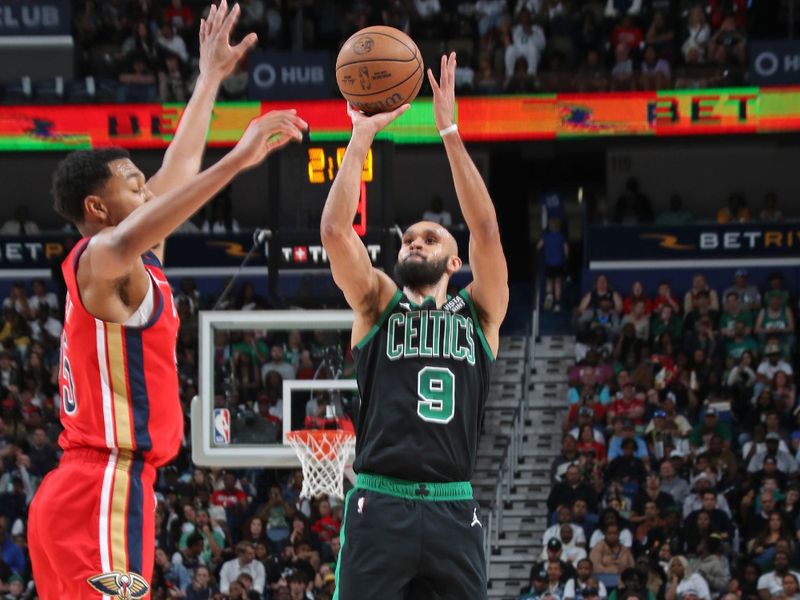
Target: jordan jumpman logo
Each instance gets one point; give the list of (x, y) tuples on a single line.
[(475, 520)]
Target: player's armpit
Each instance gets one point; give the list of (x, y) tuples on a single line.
[(108, 283)]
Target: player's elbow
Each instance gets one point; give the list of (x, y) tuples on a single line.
[(487, 231), (331, 233)]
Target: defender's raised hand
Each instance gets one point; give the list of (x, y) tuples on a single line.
[(268, 133), (444, 92), (217, 57)]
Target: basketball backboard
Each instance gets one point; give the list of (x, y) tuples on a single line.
[(229, 430)]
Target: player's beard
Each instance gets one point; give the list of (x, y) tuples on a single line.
[(415, 274)]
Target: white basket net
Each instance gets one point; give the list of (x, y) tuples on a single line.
[(323, 455)]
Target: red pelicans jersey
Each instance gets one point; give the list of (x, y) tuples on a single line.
[(118, 384)]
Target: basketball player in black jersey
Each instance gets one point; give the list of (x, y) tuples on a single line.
[(412, 530)]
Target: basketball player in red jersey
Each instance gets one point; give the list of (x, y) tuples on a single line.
[(91, 527)]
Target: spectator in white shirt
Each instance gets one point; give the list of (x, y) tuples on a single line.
[(607, 518), (683, 582), (759, 444), (749, 296), (672, 484), (531, 6), (525, 40), (490, 14), (170, 40), (771, 365), (694, 501), (278, 363), (18, 300), (771, 584), (585, 580), (567, 535), (244, 562), (578, 537), (782, 459), (45, 328), (41, 297), (697, 33)]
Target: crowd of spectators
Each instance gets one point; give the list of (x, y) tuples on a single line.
[(634, 207), (215, 218), (144, 51), (678, 472), (220, 534)]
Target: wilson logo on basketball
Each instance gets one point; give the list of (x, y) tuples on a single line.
[(371, 108), (363, 46)]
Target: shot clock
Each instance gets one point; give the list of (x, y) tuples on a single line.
[(305, 174), (322, 168), (301, 176)]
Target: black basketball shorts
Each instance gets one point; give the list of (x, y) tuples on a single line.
[(410, 541)]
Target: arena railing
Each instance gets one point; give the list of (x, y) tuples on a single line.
[(513, 451)]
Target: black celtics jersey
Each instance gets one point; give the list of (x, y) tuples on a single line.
[(423, 374)]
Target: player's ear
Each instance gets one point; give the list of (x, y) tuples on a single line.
[(453, 265), (94, 207)]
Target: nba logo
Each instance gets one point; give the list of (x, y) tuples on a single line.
[(222, 426)]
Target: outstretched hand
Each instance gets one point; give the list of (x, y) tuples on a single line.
[(444, 92), (218, 58), (268, 133), (372, 124)]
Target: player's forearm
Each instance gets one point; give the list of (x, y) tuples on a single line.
[(185, 153), (473, 197), (342, 202), (156, 219)]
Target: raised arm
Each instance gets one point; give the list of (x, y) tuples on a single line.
[(115, 251), (218, 58), (366, 289), (489, 287)]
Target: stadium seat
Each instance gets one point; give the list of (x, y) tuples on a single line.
[(19, 91), (49, 91), (81, 90), (107, 90)]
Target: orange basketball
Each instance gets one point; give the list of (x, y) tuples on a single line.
[(378, 69)]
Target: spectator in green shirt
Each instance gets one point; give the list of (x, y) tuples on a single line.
[(666, 321), (213, 540), (732, 314), (775, 287), (740, 343), (708, 427), (257, 349)]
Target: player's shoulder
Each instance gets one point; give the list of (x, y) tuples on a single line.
[(386, 296)]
